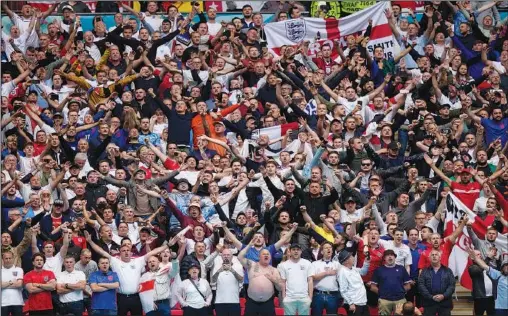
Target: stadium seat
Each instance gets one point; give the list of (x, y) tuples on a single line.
[(276, 302), (242, 302), (279, 311)]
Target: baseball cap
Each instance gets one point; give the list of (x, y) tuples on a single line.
[(68, 7), (349, 199), (295, 245), (139, 170), (218, 123), (58, 114), (465, 170), (393, 146), (195, 204), (58, 202)]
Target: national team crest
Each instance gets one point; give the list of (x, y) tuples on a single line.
[(110, 278), (295, 30), (46, 278), (15, 273)]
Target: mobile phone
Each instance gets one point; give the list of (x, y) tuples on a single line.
[(35, 81)]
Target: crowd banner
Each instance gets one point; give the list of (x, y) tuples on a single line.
[(459, 259), (320, 31)]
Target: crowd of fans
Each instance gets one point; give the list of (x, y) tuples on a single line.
[(144, 151)]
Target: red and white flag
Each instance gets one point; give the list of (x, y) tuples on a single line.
[(219, 6), (459, 261), (273, 132), (320, 31), (146, 291)]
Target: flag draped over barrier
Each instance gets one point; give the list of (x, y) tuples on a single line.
[(320, 31)]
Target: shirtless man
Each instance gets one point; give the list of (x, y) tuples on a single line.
[(263, 278)]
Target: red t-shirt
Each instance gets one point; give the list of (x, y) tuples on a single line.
[(446, 249), (79, 242), (39, 301), (56, 221), (466, 193), (376, 259)]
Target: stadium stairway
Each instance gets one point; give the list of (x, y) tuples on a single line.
[(464, 304)]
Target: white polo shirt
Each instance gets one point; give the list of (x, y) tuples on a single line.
[(129, 273), (12, 297), (71, 277), (329, 282), (296, 274)]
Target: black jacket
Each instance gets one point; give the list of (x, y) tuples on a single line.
[(478, 278), (447, 287)]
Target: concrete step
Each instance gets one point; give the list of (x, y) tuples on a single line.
[(464, 304)]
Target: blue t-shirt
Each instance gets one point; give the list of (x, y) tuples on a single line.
[(495, 129), (106, 299), (390, 282), (415, 256)]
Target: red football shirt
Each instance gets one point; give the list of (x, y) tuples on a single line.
[(376, 259), (39, 301), (446, 249), (466, 193)]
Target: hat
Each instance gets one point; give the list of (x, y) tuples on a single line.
[(139, 170), (195, 204), (343, 256), (58, 202), (428, 136), (68, 7), (465, 170), (349, 199), (295, 245), (393, 146), (446, 105), (240, 213), (194, 265), (219, 123), (58, 114), (74, 166), (389, 252)]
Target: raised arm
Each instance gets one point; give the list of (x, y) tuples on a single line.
[(287, 238), (95, 247), (438, 171)]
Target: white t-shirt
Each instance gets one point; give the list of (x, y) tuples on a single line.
[(227, 285), (403, 253), (71, 277), (499, 67), (296, 275), (329, 282), (12, 297), (129, 273), (346, 217), (54, 264), (213, 28), (350, 105)]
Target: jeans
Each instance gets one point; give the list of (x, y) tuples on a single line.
[(163, 308), (501, 312), (72, 308), (14, 310), (104, 312), (297, 306), (323, 301)]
